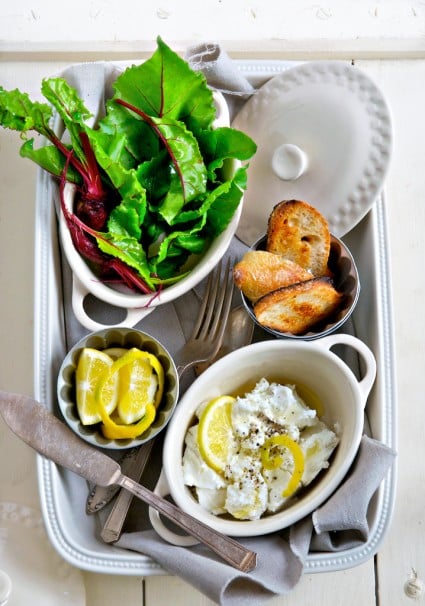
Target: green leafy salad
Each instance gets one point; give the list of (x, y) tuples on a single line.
[(150, 179)]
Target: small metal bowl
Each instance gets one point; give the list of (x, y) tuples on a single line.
[(104, 339), (346, 281)]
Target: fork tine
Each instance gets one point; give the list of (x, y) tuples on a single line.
[(211, 297), (220, 306), (214, 303), (223, 310), (210, 324), (205, 311)]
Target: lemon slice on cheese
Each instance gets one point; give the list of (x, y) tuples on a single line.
[(215, 433)]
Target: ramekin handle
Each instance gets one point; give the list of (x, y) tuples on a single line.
[(168, 535), (79, 292), (222, 110), (368, 378)]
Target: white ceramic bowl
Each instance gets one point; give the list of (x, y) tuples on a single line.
[(313, 365), (103, 339), (137, 306)]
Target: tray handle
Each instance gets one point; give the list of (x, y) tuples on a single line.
[(79, 292)]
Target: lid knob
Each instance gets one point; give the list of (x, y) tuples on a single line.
[(289, 162)]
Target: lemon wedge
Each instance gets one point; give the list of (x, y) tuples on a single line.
[(215, 433), (138, 386), (146, 410), (92, 365)]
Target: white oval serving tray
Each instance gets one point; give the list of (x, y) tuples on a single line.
[(63, 495)]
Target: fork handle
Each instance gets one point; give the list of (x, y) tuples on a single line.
[(112, 528)]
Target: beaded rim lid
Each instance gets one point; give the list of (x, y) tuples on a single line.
[(338, 123)]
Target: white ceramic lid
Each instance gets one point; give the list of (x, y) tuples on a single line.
[(323, 131)]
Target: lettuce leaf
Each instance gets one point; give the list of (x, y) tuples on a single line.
[(18, 112), (49, 158), (154, 160), (70, 108), (220, 144), (165, 86)]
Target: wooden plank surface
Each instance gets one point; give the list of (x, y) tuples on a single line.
[(348, 588), (404, 547), (394, 26)]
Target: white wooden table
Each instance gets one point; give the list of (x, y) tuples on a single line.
[(387, 40)]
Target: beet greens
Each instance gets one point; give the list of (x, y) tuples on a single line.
[(149, 183)]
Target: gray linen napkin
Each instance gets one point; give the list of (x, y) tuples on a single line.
[(218, 69), (279, 566), (220, 73), (338, 525), (341, 523)]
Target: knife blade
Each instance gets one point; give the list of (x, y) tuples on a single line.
[(50, 437)]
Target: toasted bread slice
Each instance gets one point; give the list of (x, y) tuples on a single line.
[(300, 232), (259, 272), (297, 308)]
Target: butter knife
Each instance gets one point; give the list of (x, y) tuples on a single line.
[(41, 430)]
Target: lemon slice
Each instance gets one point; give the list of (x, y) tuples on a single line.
[(272, 459), (92, 365), (215, 432), (141, 382), (117, 428), (137, 387)]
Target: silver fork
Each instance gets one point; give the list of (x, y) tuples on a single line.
[(203, 344), (208, 332)]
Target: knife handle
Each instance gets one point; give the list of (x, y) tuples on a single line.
[(112, 528), (230, 550)]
